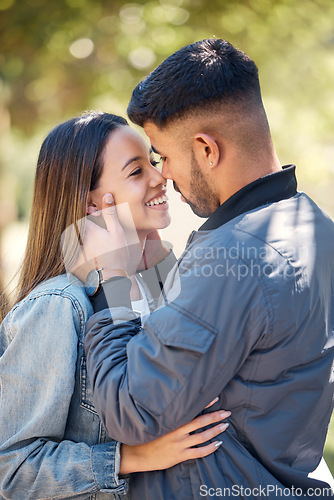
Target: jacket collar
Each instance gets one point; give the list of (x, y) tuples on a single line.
[(268, 189)]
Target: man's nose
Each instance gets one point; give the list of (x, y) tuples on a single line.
[(165, 172)]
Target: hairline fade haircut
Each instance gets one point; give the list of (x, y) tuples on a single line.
[(199, 77)]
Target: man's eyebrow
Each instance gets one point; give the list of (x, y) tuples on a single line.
[(135, 158), (155, 151)]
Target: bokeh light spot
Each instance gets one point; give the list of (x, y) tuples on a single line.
[(82, 48), (131, 13), (142, 58)]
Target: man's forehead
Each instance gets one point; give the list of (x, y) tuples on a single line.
[(166, 139), (154, 132), (155, 135), (150, 128)]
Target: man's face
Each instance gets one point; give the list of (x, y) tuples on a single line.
[(180, 165)]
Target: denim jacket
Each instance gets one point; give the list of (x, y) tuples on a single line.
[(52, 442)]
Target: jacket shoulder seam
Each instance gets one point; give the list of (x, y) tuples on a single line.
[(266, 243), (74, 301)]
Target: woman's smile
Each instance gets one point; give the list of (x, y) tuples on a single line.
[(158, 202)]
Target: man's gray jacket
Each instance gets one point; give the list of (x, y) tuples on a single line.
[(250, 318)]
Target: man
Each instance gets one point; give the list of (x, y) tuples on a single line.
[(252, 316)]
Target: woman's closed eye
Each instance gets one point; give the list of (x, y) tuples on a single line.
[(138, 171)]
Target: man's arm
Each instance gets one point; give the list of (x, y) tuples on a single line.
[(149, 381)]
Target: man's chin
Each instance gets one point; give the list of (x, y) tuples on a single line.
[(204, 214), (200, 211)]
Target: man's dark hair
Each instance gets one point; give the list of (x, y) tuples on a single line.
[(204, 73)]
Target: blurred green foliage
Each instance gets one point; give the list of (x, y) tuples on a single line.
[(60, 57)]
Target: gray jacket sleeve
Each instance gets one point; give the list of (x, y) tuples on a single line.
[(149, 381)]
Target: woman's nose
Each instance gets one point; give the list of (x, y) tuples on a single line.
[(156, 177)]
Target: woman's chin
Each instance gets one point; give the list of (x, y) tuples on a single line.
[(162, 225), (162, 222), (166, 222)]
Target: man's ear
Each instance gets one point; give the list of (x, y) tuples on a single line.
[(206, 150)]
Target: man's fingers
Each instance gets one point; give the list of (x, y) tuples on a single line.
[(108, 204), (109, 213), (119, 221)]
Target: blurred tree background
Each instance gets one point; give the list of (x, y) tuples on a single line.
[(60, 57)]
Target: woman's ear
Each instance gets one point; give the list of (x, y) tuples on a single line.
[(91, 208)]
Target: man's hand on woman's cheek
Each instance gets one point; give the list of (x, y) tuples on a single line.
[(87, 245)]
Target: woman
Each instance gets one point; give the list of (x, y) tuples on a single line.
[(52, 443)]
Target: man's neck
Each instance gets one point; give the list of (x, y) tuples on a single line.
[(236, 178)]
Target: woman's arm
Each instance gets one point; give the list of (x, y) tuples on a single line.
[(37, 376)]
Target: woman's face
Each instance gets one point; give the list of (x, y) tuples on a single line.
[(130, 175)]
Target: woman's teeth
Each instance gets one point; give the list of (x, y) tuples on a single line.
[(157, 201)]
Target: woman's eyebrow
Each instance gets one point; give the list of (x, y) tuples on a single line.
[(135, 158)]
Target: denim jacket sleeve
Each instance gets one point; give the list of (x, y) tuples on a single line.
[(37, 374)]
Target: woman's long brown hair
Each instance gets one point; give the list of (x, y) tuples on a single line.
[(68, 167)]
